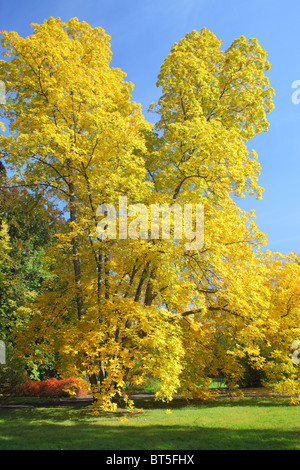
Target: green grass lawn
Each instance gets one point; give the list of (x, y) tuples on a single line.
[(238, 424)]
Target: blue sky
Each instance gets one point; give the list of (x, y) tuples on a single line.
[(142, 33)]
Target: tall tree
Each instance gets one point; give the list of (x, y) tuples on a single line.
[(81, 135), (79, 123), (121, 308)]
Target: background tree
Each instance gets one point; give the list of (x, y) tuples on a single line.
[(31, 223)]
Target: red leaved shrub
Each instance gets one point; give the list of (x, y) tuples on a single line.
[(54, 388)]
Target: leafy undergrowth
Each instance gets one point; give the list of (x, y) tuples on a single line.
[(51, 387)]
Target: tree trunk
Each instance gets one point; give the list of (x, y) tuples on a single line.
[(76, 259)]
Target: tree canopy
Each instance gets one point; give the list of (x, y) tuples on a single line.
[(122, 309)]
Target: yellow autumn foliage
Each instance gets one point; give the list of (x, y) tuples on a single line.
[(119, 310)]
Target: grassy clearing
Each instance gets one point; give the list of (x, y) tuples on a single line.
[(250, 423)]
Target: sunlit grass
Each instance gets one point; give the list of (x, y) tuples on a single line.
[(220, 424)]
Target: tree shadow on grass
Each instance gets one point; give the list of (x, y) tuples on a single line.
[(78, 436), (72, 427), (150, 403)]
